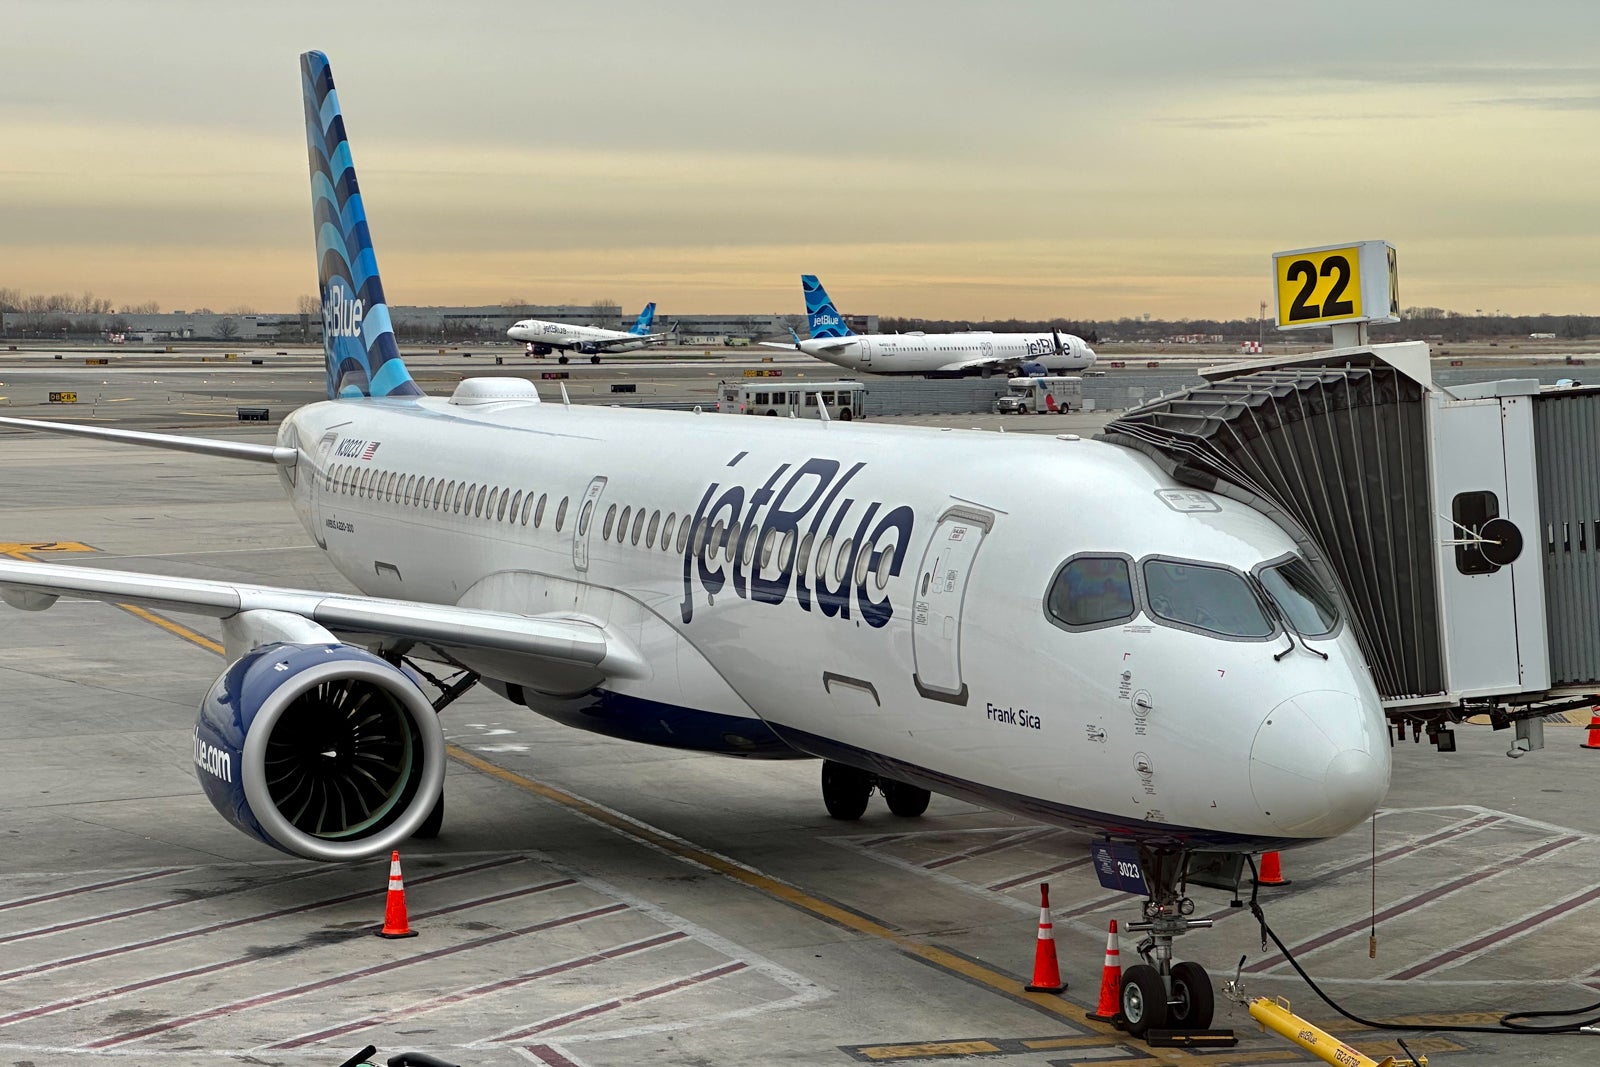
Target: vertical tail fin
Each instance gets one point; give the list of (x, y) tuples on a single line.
[(823, 317), (646, 319), (357, 338)]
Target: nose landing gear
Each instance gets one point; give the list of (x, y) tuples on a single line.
[(1158, 994)]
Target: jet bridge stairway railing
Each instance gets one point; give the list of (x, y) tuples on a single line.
[(1426, 508)]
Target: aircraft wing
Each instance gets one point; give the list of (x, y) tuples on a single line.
[(975, 361), (561, 642)]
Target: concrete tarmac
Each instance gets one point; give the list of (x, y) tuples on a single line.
[(592, 902)]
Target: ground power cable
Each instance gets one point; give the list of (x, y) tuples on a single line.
[(1509, 1023)]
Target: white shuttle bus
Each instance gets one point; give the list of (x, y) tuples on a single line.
[(763, 396), (1042, 394)]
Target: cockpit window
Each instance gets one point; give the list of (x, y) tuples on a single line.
[(1309, 607), (1208, 598), (1091, 590)]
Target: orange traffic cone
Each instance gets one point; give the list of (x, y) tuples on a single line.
[(1110, 981), (395, 923), (1046, 972), (1594, 728), (1271, 871)]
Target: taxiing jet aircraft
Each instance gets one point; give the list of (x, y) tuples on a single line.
[(1044, 625), (931, 353), (544, 337)]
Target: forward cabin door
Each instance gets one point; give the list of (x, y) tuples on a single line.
[(319, 484), (941, 592)]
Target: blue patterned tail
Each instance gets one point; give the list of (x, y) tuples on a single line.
[(823, 318), (357, 338), (646, 320)]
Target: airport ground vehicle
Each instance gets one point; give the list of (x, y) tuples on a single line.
[(843, 400), (1038, 394), (1011, 404)]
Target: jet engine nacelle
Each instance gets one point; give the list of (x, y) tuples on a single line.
[(321, 750)]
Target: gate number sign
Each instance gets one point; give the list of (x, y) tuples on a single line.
[(1336, 284)]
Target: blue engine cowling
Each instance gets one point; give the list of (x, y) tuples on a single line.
[(323, 751)]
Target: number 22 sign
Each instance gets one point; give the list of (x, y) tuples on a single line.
[(1336, 283)]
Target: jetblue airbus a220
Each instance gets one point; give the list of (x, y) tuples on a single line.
[(1048, 626)]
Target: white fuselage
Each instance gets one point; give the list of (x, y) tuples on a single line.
[(910, 353), (869, 593), (565, 335)]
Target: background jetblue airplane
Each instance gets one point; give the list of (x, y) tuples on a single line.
[(1048, 626), (544, 337), (931, 353)]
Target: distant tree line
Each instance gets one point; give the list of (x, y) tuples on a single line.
[(58, 314)]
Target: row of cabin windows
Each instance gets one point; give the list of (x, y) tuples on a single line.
[(639, 526), (630, 526), (448, 496)]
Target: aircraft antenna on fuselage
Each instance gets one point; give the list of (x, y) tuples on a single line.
[(358, 344)]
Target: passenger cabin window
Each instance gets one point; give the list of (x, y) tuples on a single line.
[(1309, 607), (561, 515), (1210, 598), (1091, 590)]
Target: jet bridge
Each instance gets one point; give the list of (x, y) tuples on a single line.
[(1461, 525)]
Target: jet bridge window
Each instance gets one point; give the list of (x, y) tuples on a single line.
[(1091, 591), (1210, 598), (1309, 607), (1470, 511)]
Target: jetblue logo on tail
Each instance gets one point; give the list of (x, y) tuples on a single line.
[(823, 318), (341, 313)]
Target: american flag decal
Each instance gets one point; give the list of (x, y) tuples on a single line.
[(370, 450)]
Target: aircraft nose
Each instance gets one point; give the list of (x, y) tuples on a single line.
[(1319, 764)]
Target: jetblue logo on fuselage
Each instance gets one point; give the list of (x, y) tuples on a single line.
[(801, 534), (217, 762), (1044, 346), (341, 313)]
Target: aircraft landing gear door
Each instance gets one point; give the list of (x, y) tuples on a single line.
[(588, 511), (941, 590), (316, 487)]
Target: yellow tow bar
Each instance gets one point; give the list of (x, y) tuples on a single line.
[(1275, 1015)]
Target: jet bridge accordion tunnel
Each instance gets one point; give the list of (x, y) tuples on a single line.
[(1462, 525)]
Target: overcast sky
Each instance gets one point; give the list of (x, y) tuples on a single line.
[(933, 158)]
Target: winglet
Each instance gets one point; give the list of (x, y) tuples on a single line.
[(358, 344)]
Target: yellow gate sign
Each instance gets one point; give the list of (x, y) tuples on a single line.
[(1334, 284), (63, 398)]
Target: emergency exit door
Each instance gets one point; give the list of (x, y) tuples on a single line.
[(587, 513), (941, 592)]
